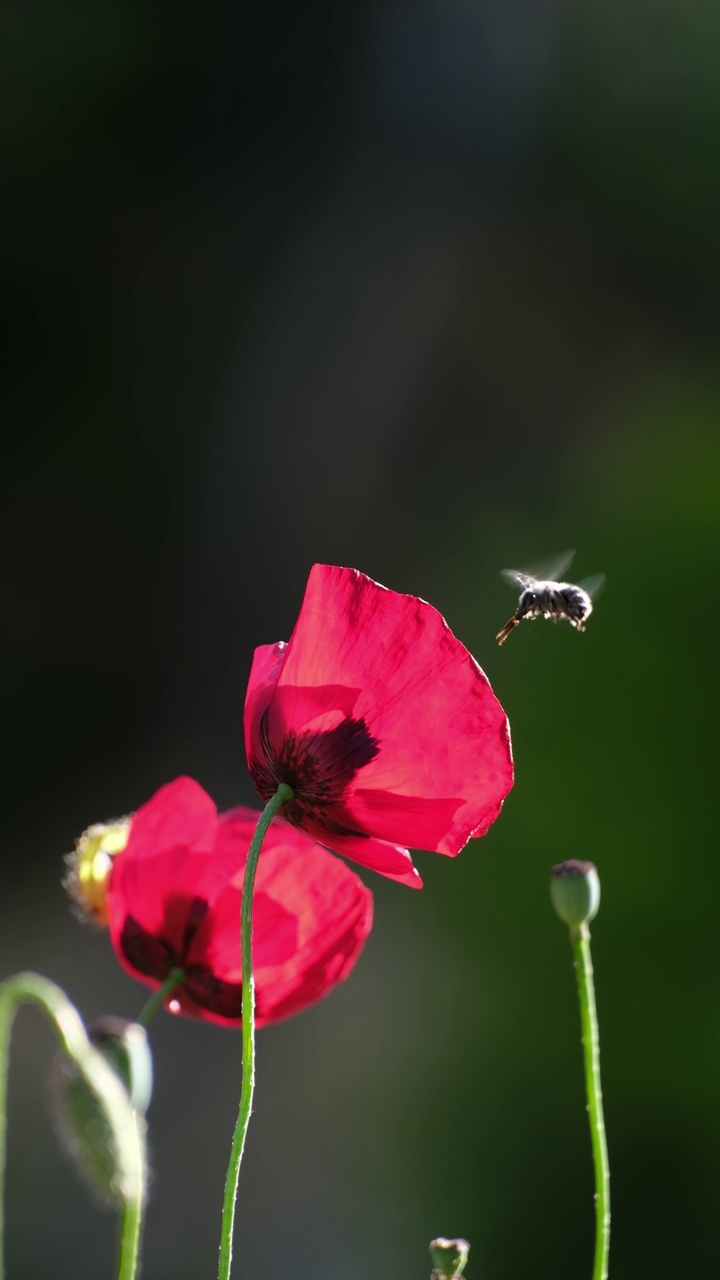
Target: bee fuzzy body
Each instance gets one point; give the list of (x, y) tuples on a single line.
[(546, 598), (559, 601)]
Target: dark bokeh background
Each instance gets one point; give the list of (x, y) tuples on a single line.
[(429, 288)]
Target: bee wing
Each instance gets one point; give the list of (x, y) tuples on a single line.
[(517, 578), (593, 585), (552, 570), (545, 571)]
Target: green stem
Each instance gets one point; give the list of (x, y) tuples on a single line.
[(282, 794), (132, 1220), (31, 988), (174, 979), (580, 939)]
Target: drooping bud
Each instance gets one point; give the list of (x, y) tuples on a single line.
[(125, 1046), (101, 1130), (575, 892), (90, 864), (449, 1258)]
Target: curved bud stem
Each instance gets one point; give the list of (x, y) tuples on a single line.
[(272, 807), (175, 978), (98, 1075)]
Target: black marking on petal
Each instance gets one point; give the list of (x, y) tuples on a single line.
[(146, 953), (196, 913), (263, 770), (213, 993), (318, 766)]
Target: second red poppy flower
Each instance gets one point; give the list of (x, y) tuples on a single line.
[(173, 902)]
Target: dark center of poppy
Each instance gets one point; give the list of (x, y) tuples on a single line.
[(318, 767), (152, 955)]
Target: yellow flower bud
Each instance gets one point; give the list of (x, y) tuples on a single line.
[(90, 864)]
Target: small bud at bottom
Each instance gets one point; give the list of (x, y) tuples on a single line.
[(449, 1258)]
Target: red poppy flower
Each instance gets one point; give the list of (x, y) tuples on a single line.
[(173, 901), (381, 722)]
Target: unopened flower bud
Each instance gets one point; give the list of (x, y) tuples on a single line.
[(575, 892), (99, 1128), (125, 1046), (449, 1258), (90, 864)]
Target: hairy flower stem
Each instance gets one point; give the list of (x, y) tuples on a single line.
[(273, 805), (110, 1093), (580, 940)]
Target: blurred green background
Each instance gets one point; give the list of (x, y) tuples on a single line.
[(430, 289)]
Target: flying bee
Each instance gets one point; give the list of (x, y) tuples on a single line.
[(547, 598)]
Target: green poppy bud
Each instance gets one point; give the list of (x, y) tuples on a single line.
[(100, 1130), (125, 1046), (575, 892), (449, 1258)]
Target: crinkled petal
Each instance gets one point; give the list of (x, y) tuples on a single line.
[(267, 664), (171, 859), (181, 907), (444, 763), (334, 911), (179, 815), (390, 860), (311, 916), (160, 893)]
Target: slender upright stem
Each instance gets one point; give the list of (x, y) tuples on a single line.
[(131, 1227), (174, 979), (580, 939), (282, 794)]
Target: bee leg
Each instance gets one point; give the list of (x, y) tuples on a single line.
[(502, 635)]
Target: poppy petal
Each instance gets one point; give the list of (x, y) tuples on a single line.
[(267, 664), (311, 917), (324, 914), (181, 908), (161, 893), (381, 721), (391, 860), (179, 815)]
